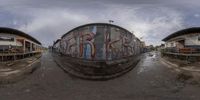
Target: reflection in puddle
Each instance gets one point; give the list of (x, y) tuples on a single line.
[(149, 59)]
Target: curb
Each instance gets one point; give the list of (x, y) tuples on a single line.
[(172, 64), (15, 75), (177, 66)]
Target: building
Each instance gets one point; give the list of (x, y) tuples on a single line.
[(15, 44), (99, 41), (56, 46), (143, 46), (184, 41), (98, 51)]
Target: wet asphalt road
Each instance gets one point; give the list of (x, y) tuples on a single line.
[(149, 80)]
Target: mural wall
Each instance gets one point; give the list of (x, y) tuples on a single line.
[(99, 42)]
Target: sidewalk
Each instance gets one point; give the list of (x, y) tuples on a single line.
[(14, 70), (184, 65), (185, 69)]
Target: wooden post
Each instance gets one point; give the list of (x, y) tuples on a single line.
[(31, 48), (24, 46)]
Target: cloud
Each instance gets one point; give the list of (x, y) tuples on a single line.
[(152, 24), (48, 25), (47, 20), (196, 15)]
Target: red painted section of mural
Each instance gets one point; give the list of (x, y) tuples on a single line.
[(113, 43)]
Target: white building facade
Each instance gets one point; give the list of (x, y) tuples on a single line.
[(12, 40), (184, 39)]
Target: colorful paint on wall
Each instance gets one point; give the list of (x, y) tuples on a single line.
[(100, 42)]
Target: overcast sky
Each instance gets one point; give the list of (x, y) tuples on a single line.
[(48, 20)]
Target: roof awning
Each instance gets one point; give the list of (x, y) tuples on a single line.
[(183, 32)]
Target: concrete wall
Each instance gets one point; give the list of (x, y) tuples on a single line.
[(192, 39), (56, 47), (100, 42)]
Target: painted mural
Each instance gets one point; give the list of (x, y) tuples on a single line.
[(99, 42)]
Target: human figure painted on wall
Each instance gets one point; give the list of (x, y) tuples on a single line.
[(87, 51)]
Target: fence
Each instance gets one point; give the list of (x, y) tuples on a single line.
[(187, 54), (9, 56)]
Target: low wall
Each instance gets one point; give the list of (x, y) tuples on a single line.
[(96, 70), (17, 71), (183, 56), (4, 57)]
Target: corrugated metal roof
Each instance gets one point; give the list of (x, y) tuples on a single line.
[(17, 32), (183, 32)]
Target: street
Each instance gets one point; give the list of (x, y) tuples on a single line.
[(149, 80)]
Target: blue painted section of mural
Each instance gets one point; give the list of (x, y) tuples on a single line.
[(100, 42), (87, 51)]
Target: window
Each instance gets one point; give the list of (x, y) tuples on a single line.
[(3, 38), (199, 38), (172, 44)]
